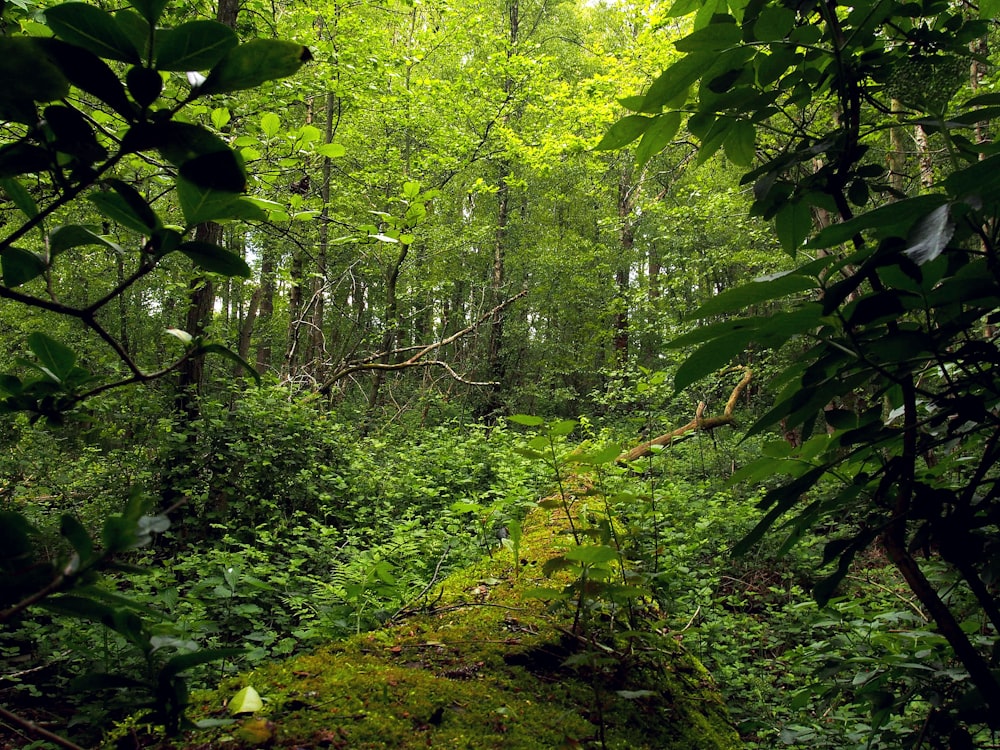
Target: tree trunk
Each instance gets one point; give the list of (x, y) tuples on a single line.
[(265, 310), (626, 237)]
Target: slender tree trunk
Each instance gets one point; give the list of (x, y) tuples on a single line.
[(393, 325), (897, 154), (265, 312), (626, 238), (318, 345), (201, 301)]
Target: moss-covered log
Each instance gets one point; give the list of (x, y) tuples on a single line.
[(480, 665)]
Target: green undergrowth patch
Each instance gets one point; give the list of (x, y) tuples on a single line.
[(476, 664)]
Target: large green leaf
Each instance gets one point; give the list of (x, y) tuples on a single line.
[(184, 662), (23, 158), (891, 220), (196, 45), (676, 79), (739, 143), (234, 357), (251, 64), (93, 29), (624, 132), (89, 73), (124, 204), (793, 223), (763, 290), (19, 196), (657, 136), (29, 74), (150, 10), (220, 170), (200, 204), (216, 259), (75, 235), (712, 356), (55, 357), (73, 531), (20, 266), (714, 37)]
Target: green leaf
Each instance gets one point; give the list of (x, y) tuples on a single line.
[(80, 607), (74, 235), (23, 158), (89, 73), (195, 45), (712, 356), (233, 356), (57, 358), (739, 143), (119, 208), (200, 204), (216, 259), (251, 64), (591, 554), (989, 9), (762, 290), (151, 10), (774, 23), (890, 220), (624, 132), (528, 420), (72, 530), (184, 662), (331, 150), (270, 124), (714, 37), (246, 701), (20, 197), (657, 136), (221, 117), (562, 427), (683, 8), (221, 170), (779, 501), (93, 29), (606, 455), (136, 28), (675, 80), (28, 73), (793, 223), (20, 266)]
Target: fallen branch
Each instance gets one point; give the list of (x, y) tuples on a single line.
[(373, 363), (700, 422)]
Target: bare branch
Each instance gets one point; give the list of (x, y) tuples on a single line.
[(417, 360), (700, 422)]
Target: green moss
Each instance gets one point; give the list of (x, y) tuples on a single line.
[(483, 667)]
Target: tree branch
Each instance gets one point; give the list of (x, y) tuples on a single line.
[(417, 360), (700, 422)]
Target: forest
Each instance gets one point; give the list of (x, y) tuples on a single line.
[(499, 373)]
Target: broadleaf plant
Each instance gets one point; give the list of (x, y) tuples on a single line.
[(890, 390), (91, 67)]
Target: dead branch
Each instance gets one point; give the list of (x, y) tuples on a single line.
[(700, 422), (372, 363)]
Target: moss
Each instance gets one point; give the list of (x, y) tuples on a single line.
[(484, 667)]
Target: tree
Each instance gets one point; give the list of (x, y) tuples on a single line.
[(76, 133), (894, 380)]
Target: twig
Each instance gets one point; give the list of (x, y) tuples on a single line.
[(430, 583), (37, 730)]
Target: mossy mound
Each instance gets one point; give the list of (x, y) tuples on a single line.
[(482, 667)]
